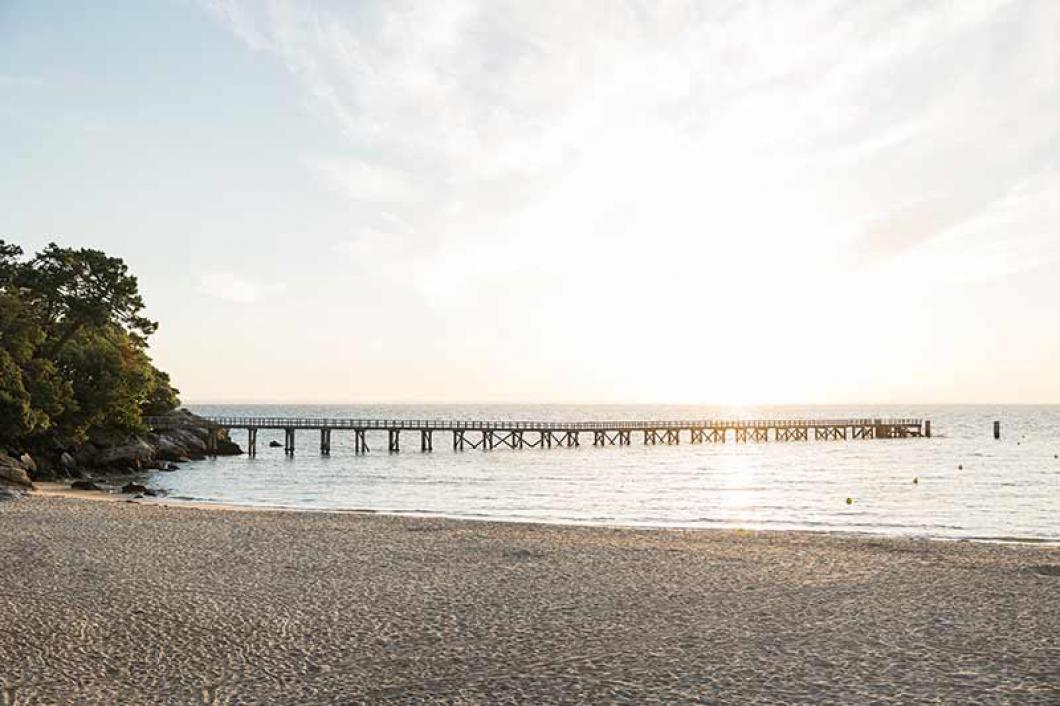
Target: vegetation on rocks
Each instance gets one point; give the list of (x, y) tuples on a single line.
[(75, 377)]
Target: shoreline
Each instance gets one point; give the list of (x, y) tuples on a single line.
[(56, 489), (116, 602)]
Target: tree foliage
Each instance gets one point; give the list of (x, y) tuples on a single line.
[(73, 342)]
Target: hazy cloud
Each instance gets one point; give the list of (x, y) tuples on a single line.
[(231, 287), (751, 137)]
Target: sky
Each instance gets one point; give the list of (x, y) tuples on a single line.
[(832, 201)]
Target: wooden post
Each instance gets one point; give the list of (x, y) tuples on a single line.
[(997, 429), (927, 428), (252, 441), (288, 441)]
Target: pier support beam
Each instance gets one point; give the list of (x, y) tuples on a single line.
[(325, 442), (426, 440), (394, 440), (746, 434), (997, 430), (360, 444), (288, 441), (252, 441)]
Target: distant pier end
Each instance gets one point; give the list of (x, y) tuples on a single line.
[(489, 435)]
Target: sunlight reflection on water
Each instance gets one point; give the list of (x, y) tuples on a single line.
[(1008, 488)]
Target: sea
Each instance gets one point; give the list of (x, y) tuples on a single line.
[(959, 484)]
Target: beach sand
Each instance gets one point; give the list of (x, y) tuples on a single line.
[(115, 602)]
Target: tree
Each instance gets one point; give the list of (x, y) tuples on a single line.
[(73, 342), (79, 288)]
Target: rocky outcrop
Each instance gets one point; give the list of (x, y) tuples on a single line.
[(177, 437), (135, 455)]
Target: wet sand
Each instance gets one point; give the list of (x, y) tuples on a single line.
[(114, 602)]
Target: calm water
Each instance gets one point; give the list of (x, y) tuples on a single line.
[(1007, 489)]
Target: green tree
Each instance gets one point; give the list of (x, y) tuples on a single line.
[(73, 342), (83, 287)]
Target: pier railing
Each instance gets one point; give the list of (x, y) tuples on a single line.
[(527, 425), (518, 434)]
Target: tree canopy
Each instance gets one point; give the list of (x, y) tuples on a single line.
[(73, 342)]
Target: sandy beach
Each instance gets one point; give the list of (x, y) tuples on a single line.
[(115, 602)]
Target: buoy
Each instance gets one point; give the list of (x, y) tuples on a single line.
[(850, 501)]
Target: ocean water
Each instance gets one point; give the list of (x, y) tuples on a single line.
[(1007, 489)]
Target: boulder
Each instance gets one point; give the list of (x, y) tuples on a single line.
[(131, 455), (227, 447), (12, 473), (131, 488), (28, 463), (274, 444), (84, 485)]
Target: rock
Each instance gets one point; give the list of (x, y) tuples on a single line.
[(151, 493), (13, 474), (227, 447), (84, 485), (28, 463), (131, 488), (170, 467), (10, 492), (67, 462), (134, 454), (275, 444)]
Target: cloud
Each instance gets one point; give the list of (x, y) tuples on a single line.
[(583, 144), (231, 287)]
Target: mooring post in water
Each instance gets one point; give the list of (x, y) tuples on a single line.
[(927, 428), (997, 430)]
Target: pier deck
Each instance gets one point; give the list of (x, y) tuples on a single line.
[(512, 434)]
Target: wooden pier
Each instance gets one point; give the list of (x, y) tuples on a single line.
[(502, 434)]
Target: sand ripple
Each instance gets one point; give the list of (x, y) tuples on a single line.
[(107, 603)]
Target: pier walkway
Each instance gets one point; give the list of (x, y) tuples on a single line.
[(496, 434)]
